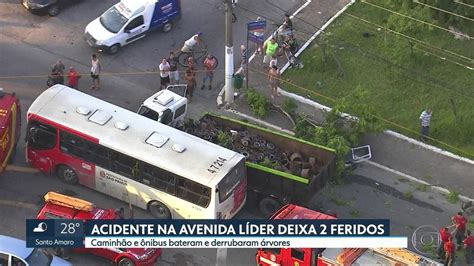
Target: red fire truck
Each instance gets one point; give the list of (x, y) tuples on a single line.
[(332, 256), (10, 127), (60, 206), (291, 256)]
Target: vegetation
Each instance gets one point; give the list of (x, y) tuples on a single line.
[(452, 197), (257, 102), (223, 138), (422, 187), (400, 76), (340, 133), (289, 106)]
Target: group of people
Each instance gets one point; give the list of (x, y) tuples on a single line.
[(454, 241), (169, 73), (58, 74)]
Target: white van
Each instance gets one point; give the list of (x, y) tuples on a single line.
[(168, 106), (130, 20)]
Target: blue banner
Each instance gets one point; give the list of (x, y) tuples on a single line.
[(57, 233), (255, 31), (237, 228)]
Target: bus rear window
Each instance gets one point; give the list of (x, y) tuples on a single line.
[(231, 180)]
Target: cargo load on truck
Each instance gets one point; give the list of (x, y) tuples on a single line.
[(280, 168)]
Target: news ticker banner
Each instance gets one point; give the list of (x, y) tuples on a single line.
[(213, 234)]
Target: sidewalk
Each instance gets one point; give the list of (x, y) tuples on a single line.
[(401, 154)]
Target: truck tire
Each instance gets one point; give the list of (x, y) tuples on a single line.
[(167, 27), (53, 10), (125, 262), (114, 48), (268, 206), (67, 175), (159, 210)]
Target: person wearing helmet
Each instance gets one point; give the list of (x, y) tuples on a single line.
[(191, 43)]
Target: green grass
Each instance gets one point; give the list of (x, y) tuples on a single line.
[(452, 197), (393, 94)]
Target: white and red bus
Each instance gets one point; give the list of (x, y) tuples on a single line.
[(172, 174)]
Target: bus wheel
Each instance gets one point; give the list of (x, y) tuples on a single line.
[(125, 262), (67, 174), (269, 206), (159, 210)]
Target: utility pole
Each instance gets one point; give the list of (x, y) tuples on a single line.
[(229, 54)]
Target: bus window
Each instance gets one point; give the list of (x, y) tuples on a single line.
[(230, 181), (193, 192), (98, 155), (40, 136), (159, 179), (72, 144), (125, 165)]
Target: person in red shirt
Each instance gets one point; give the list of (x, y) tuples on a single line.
[(469, 245), (444, 236), (73, 78), (449, 251), (460, 222)]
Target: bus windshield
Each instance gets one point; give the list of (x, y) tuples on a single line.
[(112, 20), (231, 180)]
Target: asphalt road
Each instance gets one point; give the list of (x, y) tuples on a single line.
[(29, 45)]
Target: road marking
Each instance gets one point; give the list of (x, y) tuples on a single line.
[(19, 204), (23, 169), (440, 189), (221, 257)]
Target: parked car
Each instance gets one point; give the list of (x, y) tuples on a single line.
[(58, 206), (51, 7), (13, 252)]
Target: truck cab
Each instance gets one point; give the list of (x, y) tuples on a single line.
[(291, 256), (168, 106), (10, 127), (130, 20)]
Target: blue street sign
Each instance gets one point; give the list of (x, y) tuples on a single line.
[(253, 27), (256, 25)]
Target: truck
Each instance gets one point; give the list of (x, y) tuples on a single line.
[(130, 20), (10, 127), (332, 256), (168, 106), (59, 206), (281, 169)]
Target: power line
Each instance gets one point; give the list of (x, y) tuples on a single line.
[(442, 10), (413, 39), (416, 74), (462, 3), (443, 58), (412, 18), (372, 115)]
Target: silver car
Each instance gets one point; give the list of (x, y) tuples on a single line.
[(13, 252)]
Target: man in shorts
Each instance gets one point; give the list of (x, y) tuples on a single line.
[(174, 73), (164, 73), (191, 43), (269, 48), (209, 66)]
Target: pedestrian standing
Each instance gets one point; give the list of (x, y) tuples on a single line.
[(444, 236), (287, 27), (96, 69), (259, 34), (174, 73), (164, 73), (273, 61), (190, 77), (243, 61), (209, 66), (425, 119), (469, 245), (270, 48), (58, 70), (73, 78), (460, 222), (274, 80), (449, 251)]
